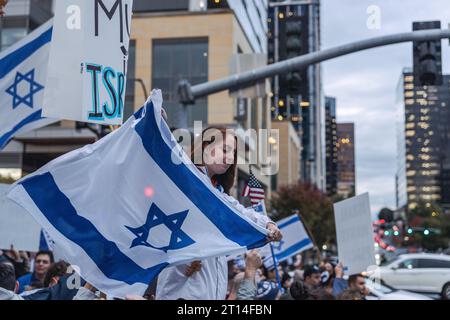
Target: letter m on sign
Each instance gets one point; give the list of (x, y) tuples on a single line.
[(110, 14)]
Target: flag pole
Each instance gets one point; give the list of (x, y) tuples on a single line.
[(275, 264), (275, 260)]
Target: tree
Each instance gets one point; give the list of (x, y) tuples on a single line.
[(315, 208)]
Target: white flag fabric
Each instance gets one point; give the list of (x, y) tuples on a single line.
[(295, 240), (23, 72), (133, 203)]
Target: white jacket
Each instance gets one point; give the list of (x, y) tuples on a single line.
[(210, 283)]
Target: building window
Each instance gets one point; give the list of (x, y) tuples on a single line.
[(177, 59), (241, 112), (254, 114), (131, 81)]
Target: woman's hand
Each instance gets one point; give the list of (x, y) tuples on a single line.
[(274, 232), (193, 267)]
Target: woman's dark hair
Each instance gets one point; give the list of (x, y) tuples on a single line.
[(226, 180), (57, 269)]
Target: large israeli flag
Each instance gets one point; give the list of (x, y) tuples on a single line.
[(295, 240), (23, 72), (131, 204)]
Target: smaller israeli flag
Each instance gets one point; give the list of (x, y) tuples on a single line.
[(295, 240), (23, 72)]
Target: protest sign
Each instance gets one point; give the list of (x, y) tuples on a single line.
[(354, 233), (88, 61), (17, 226)]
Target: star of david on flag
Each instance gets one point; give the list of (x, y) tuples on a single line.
[(155, 217), (94, 204), (33, 88)]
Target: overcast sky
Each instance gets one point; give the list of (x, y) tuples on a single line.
[(364, 83)]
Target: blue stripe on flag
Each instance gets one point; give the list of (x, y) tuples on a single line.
[(5, 138), (228, 222), (290, 221), (58, 210), (12, 60), (293, 249)]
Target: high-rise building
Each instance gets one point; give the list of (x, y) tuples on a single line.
[(346, 182), (423, 131), (297, 96), (331, 145)]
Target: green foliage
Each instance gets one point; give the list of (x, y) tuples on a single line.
[(314, 206)]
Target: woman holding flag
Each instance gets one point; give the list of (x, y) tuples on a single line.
[(207, 279)]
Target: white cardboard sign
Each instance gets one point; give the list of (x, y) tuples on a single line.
[(17, 226), (86, 78), (354, 234)]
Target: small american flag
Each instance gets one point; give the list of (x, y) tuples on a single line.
[(253, 189)]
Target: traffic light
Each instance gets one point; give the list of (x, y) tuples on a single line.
[(293, 49), (293, 42), (427, 56), (426, 232), (410, 231), (386, 214)]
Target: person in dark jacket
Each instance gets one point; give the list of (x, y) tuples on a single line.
[(355, 282)]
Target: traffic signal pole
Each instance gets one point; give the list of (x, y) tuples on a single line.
[(188, 93)]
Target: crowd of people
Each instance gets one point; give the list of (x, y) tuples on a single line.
[(297, 281), (25, 276)]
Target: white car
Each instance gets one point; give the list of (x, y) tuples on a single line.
[(379, 291), (420, 272)]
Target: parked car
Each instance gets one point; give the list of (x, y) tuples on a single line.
[(380, 291), (419, 272)]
